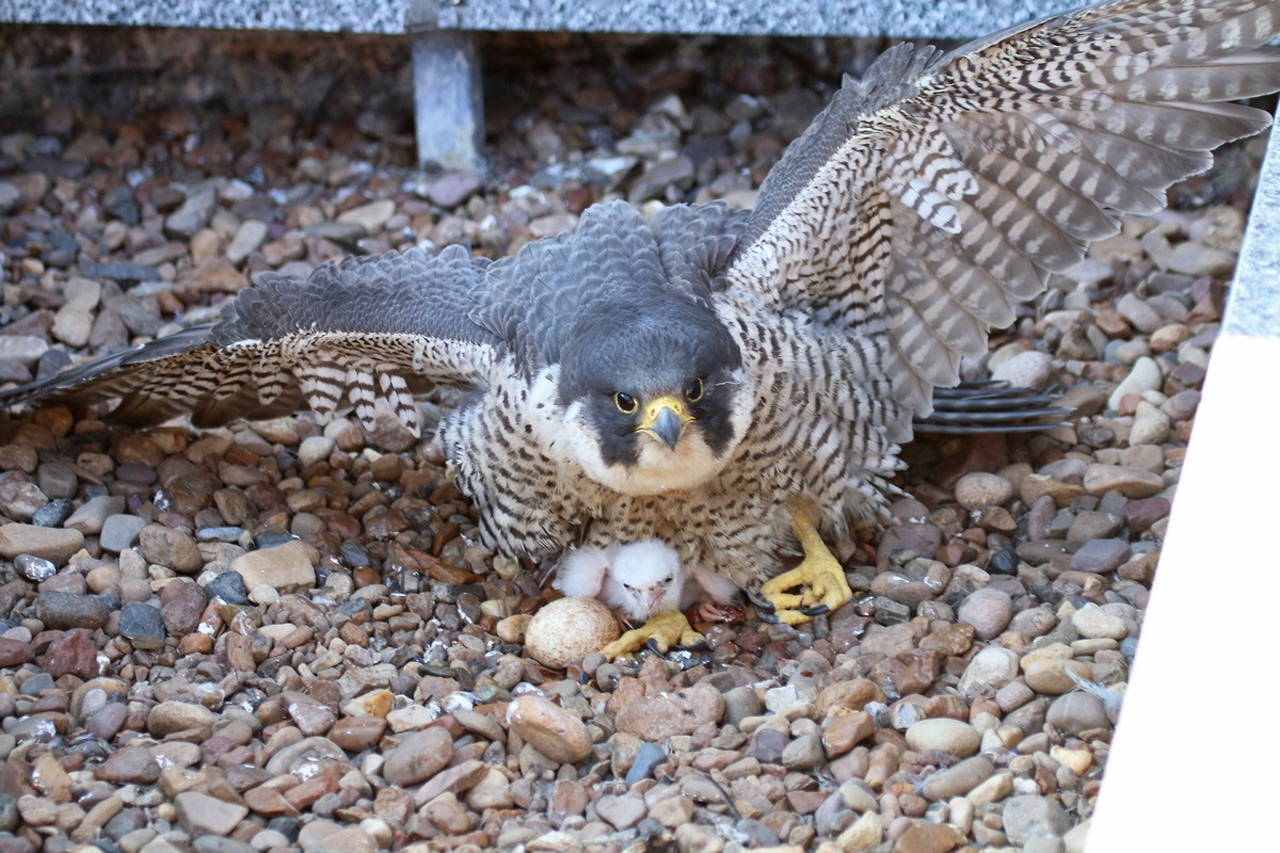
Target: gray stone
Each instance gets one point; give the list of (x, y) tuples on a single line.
[(249, 236), (1145, 375), (53, 514), (174, 716), (680, 712), (979, 489), (740, 703), (133, 766), (33, 568), (420, 755), (677, 172), (1130, 482), (22, 349), (919, 538), (66, 610), (182, 603), (804, 753), (193, 215), (168, 547), (1077, 712), (1089, 525), (621, 812), (958, 780), (1197, 259), (297, 757), (766, 745), (945, 734), (142, 625), (1029, 369), (9, 197), (990, 669), (218, 844), (1100, 555), (57, 480), (122, 271), (1142, 316), (1030, 816), (1096, 623), (452, 189), (284, 565), (1150, 425), (371, 217), (9, 816), (93, 513), (987, 610), (107, 721), (201, 814), (229, 587), (120, 531), (647, 757)]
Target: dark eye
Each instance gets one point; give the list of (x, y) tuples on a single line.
[(693, 391), (625, 403)]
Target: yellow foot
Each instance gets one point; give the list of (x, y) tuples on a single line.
[(665, 629), (819, 573)]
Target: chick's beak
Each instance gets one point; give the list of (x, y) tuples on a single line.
[(665, 419)]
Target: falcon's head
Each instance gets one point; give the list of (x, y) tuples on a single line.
[(654, 396)]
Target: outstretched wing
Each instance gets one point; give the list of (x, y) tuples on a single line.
[(929, 195), (351, 332)]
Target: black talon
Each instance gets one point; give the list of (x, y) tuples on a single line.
[(760, 602), (652, 645), (815, 610)]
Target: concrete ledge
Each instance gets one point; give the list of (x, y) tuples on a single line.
[(956, 19), (359, 16), (1182, 726)]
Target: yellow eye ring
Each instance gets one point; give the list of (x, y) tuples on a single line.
[(693, 391), (625, 403)]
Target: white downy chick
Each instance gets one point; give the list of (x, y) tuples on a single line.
[(637, 579)]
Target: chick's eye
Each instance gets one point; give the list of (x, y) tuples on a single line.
[(625, 403), (693, 391)]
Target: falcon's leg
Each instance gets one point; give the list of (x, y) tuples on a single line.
[(666, 629), (820, 573)]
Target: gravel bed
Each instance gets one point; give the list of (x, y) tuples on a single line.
[(281, 636)]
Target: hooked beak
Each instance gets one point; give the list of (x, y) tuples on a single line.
[(665, 419)]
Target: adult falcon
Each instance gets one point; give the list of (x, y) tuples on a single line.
[(733, 383)]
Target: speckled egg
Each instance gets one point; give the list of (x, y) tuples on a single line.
[(568, 629)]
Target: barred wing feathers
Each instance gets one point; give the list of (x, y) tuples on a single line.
[(940, 188), (386, 327)]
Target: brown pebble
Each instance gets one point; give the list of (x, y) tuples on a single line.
[(556, 732), (72, 653), (847, 731), (129, 766), (928, 838), (419, 756), (268, 802), (356, 734), (848, 695), (55, 544), (659, 717)]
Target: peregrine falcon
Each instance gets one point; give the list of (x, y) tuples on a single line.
[(734, 383)]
